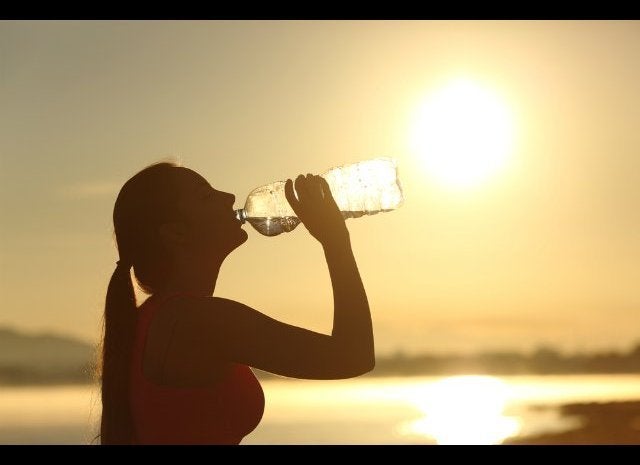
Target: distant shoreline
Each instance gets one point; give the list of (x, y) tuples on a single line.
[(52, 381), (42, 381), (604, 423), (49, 359)]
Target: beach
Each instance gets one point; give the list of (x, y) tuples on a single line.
[(610, 423)]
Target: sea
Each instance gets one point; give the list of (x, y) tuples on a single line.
[(469, 409)]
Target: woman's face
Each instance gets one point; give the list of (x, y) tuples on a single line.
[(211, 223)]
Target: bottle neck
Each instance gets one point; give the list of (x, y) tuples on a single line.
[(241, 215)]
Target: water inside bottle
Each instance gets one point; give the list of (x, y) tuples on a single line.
[(275, 225)]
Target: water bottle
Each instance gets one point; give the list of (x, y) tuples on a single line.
[(363, 188)]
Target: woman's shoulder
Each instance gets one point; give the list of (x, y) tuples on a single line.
[(186, 299), (187, 305)]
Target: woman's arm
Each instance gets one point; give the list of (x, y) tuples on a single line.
[(222, 329)]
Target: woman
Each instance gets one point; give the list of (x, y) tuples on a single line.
[(176, 370)]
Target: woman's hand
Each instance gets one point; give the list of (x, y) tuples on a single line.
[(317, 209), (212, 329)]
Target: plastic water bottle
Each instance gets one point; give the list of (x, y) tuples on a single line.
[(363, 188)]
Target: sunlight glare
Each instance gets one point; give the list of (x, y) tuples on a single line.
[(463, 134), (463, 410)]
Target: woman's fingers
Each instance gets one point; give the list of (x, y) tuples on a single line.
[(313, 203), (291, 196), (308, 189), (301, 189), (314, 188), (301, 199), (326, 191), (312, 193)]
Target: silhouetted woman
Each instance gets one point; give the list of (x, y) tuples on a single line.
[(176, 369)]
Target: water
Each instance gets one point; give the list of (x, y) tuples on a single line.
[(273, 226), (415, 410)]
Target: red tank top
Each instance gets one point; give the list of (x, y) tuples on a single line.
[(223, 413)]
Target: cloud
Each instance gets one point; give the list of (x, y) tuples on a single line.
[(91, 189)]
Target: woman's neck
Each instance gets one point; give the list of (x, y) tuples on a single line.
[(193, 278)]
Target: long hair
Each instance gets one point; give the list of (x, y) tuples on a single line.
[(145, 201)]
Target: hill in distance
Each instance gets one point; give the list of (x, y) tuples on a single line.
[(43, 358)]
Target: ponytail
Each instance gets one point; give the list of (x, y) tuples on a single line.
[(145, 201), (120, 314)]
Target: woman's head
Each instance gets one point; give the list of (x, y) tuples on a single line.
[(166, 213)]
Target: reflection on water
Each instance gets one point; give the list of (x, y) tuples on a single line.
[(49, 414), (417, 410), (463, 410)]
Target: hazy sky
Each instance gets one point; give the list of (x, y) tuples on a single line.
[(547, 251)]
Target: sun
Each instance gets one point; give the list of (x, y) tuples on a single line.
[(463, 134)]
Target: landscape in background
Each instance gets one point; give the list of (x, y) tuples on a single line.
[(451, 389), (504, 290), (28, 359)]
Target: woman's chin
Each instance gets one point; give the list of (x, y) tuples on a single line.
[(244, 236), (241, 238)]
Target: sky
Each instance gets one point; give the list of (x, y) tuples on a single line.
[(543, 252)]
